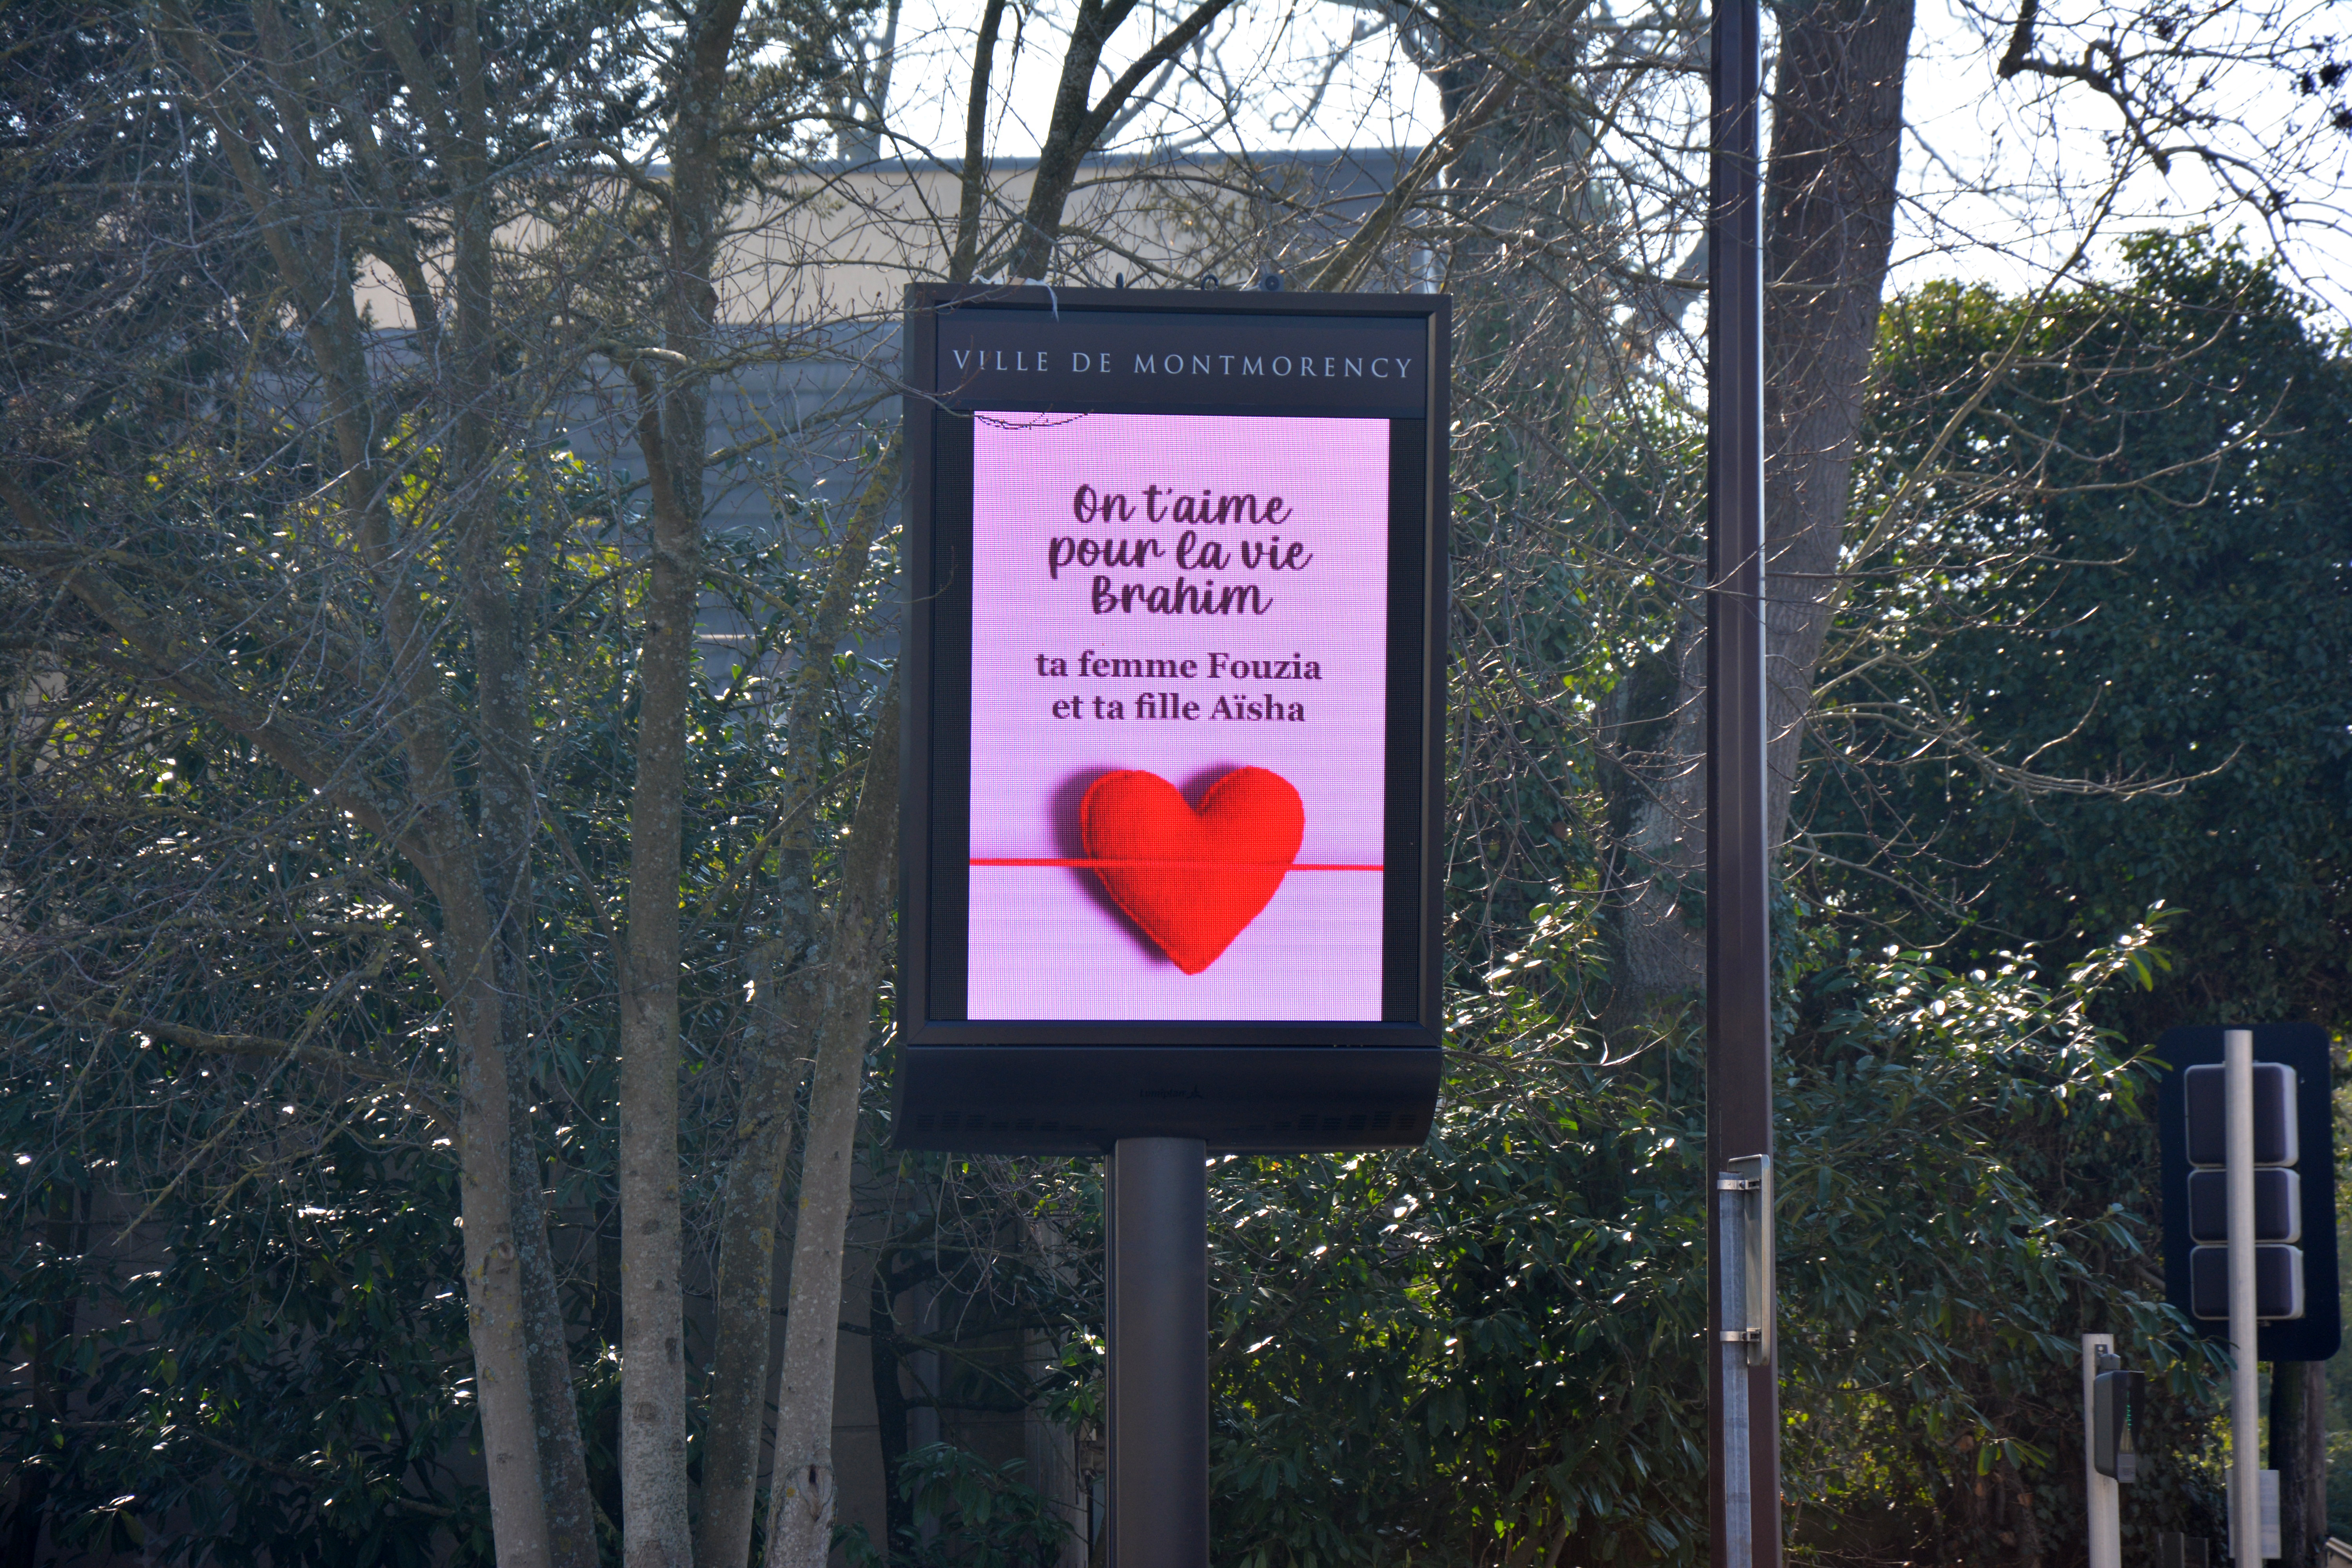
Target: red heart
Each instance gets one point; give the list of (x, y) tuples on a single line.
[(1198, 876)]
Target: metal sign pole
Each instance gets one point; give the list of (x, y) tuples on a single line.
[(1158, 1423), (2245, 1440), (2103, 1496), (1744, 1413)]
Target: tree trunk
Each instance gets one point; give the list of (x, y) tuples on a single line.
[(1829, 225), (653, 1322), (562, 1451), (764, 1122), (2299, 1454), (783, 994), (972, 191), (1661, 944), (311, 252), (493, 1270), (673, 416), (746, 1297), (1829, 216), (1076, 126), (507, 816), (800, 1496)]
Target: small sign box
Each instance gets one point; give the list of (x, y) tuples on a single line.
[(1174, 666)]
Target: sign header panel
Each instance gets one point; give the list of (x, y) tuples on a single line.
[(1087, 358), (1176, 603)]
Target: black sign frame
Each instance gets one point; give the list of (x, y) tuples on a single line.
[(1060, 1087), (2317, 1334)]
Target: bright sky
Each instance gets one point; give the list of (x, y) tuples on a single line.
[(2049, 144), (1266, 59), (1301, 74)]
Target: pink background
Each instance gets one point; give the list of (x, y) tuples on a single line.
[(1045, 943)]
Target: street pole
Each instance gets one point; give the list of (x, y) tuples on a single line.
[(1158, 1307), (2246, 1443), (2103, 1492), (1743, 1405)]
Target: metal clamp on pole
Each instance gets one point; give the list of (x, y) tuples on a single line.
[(1751, 1177)]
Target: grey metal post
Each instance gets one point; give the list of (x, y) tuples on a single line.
[(2104, 1494), (1743, 1411), (1158, 1424), (2245, 1440)]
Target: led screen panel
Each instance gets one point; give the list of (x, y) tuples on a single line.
[(1174, 653), (1179, 691)]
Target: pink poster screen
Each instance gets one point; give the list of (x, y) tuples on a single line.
[(1178, 686)]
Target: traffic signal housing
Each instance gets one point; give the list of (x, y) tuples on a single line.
[(2294, 1219), (2114, 1420)]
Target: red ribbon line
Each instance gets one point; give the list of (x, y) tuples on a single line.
[(1182, 865)]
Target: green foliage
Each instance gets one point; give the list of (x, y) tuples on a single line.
[(1970, 1176), (1564, 545), (278, 1373), (236, 1278), (1488, 1350), (970, 1514), (2106, 666)]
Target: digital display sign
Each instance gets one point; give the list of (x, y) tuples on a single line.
[(1174, 659), (1177, 716)]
